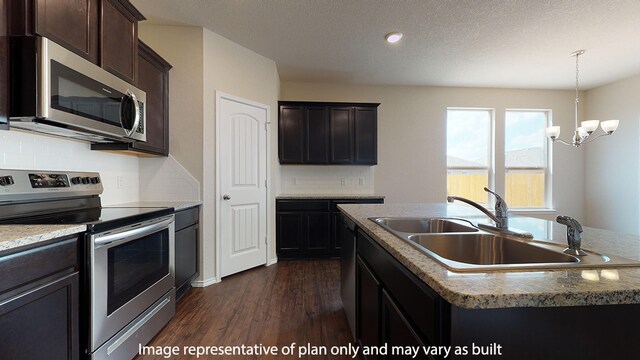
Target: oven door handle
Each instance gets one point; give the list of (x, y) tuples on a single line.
[(126, 235)]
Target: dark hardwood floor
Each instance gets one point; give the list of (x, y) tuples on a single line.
[(290, 302)]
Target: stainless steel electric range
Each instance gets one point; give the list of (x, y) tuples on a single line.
[(128, 255)]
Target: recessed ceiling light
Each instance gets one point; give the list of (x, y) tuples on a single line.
[(393, 37)]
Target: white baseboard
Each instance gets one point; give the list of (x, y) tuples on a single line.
[(272, 261), (205, 283)]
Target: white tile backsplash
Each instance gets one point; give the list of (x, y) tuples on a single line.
[(164, 179), (31, 151), (357, 180)]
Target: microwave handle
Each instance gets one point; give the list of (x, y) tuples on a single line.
[(136, 119)]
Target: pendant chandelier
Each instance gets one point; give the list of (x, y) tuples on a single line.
[(581, 134)]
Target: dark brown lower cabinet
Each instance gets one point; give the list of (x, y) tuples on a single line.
[(401, 311), (316, 230), (396, 330), (4, 65), (308, 228), (42, 323), (303, 234), (395, 308), (368, 309), (39, 303), (186, 249), (336, 223)]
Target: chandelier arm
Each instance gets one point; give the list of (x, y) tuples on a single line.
[(577, 101), (591, 139), (562, 141)]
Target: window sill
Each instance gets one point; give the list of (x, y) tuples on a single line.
[(545, 213)]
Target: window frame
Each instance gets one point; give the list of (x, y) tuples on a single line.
[(491, 144), (493, 181)]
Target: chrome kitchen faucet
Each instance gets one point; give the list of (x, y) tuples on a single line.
[(501, 218)]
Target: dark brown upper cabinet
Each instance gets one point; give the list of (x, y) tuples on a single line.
[(70, 23), (153, 78), (290, 125), (327, 133), (303, 134), (104, 32), (341, 124), (315, 131), (119, 40), (365, 135)]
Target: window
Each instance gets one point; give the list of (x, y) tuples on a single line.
[(471, 164), (525, 158), (469, 152)]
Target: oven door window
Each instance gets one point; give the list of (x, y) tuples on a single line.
[(135, 266)]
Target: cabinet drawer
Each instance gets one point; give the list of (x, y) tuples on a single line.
[(421, 304), (335, 203), (187, 217), (302, 205), (29, 265)]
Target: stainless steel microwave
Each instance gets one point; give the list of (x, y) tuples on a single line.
[(56, 92)]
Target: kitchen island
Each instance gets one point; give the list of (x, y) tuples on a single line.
[(407, 298)]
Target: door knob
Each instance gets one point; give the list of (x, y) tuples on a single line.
[(226, 197)]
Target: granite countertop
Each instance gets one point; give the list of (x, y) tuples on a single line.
[(177, 205), (328, 196), (504, 289), (13, 237)]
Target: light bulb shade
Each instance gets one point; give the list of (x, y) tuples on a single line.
[(609, 126), (583, 133), (590, 125), (553, 131)]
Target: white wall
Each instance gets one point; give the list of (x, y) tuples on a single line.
[(412, 135), (612, 164), (182, 47), (30, 151), (165, 179), (203, 63)]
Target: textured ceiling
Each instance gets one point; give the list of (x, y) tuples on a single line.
[(479, 43)]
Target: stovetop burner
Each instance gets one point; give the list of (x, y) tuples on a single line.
[(96, 219), (45, 198)]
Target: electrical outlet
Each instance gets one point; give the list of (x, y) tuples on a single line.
[(120, 183), (343, 181), (360, 181)]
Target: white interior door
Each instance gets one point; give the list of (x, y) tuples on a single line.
[(242, 196)]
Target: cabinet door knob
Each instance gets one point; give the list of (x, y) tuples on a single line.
[(226, 197)]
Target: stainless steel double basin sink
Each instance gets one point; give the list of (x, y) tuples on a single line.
[(460, 246)]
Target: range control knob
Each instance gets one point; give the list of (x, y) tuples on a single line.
[(76, 180), (6, 180), (95, 180), (85, 180)]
